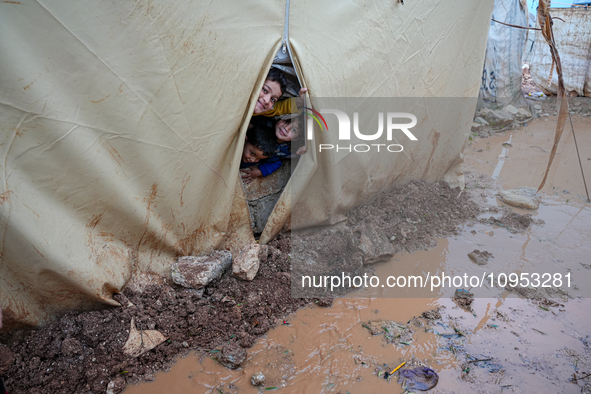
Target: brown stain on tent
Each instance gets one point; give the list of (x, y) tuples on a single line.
[(94, 221), (114, 154), (37, 250), (98, 101), (158, 244), (281, 213), (29, 85), (108, 252), (189, 245), (31, 209), (150, 237), (185, 181), (12, 2), (4, 196), (107, 236), (152, 196), (435, 144)]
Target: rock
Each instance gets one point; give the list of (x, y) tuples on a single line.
[(545, 115), (258, 379), (246, 265), (499, 118), (537, 107), (523, 196), (232, 356), (476, 127), (375, 246), (197, 272), (523, 114), (511, 109), (480, 258), (480, 120), (116, 385), (71, 347)]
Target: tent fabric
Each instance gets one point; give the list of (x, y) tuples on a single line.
[(123, 126), (121, 140), (572, 36), (400, 62), (502, 73)]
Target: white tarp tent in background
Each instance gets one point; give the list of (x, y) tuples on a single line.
[(502, 73), (572, 36), (123, 125)]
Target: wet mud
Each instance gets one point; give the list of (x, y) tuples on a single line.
[(509, 340), (520, 340)]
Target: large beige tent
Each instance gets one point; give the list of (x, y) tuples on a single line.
[(123, 124)]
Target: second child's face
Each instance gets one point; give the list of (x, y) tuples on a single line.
[(269, 95), (286, 131), (252, 154)]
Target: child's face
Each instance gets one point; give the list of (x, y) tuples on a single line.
[(270, 93), (286, 131), (252, 154)]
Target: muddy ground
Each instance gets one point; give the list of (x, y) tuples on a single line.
[(489, 344), (82, 352)]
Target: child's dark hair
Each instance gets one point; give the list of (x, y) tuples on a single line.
[(262, 137), (277, 75)]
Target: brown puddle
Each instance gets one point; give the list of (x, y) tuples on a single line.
[(527, 346), (527, 157)]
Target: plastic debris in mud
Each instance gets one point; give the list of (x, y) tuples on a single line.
[(463, 299), (420, 378)]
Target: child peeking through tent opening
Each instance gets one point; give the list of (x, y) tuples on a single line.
[(268, 103), (281, 133), (259, 145)]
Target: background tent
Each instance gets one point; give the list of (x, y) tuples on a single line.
[(502, 73), (123, 125), (572, 36)]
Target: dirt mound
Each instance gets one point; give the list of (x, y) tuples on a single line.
[(413, 215), (405, 218), (83, 352)]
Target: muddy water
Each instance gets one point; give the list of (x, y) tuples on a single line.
[(526, 159), (529, 347)]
